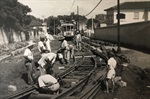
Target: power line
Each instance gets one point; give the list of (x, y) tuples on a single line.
[(94, 8), (72, 6)]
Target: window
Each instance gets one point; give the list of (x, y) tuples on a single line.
[(136, 15)]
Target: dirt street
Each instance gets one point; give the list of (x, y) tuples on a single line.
[(13, 72)]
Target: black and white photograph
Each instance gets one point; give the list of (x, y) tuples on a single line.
[(74, 49)]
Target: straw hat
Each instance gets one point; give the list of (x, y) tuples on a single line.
[(30, 43)]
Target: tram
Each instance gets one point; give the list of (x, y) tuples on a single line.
[(68, 30)]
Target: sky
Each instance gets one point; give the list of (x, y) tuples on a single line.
[(45, 8)]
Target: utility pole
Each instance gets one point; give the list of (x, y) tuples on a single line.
[(92, 23), (54, 26), (78, 17), (118, 17)]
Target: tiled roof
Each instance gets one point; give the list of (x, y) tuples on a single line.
[(132, 5)]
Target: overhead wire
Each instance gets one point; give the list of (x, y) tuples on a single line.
[(94, 8), (72, 5)]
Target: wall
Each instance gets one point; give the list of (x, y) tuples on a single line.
[(135, 34), (3, 37), (10, 36)]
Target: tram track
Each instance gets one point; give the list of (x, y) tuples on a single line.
[(27, 91), (79, 67), (80, 74), (75, 80)]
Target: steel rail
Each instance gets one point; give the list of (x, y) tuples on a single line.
[(73, 67), (66, 93), (91, 93), (22, 93), (32, 89), (78, 86)]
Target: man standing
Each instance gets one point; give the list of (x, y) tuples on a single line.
[(48, 84), (47, 42), (78, 39), (28, 55), (111, 73), (71, 49), (41, 45), (65, 50)]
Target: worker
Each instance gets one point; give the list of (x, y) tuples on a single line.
[(65, 50), (28, 55), (47, 61), (71, 49), (78, 40), (111, 72), (48, 84), (47, 42), (41, 45)]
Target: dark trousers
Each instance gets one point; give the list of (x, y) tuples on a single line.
[(29, 68)]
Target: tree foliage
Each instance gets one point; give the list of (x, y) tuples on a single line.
[(101, 18), (14, 14), (92, 21)]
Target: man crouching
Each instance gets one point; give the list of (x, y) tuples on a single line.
[(48, 84)]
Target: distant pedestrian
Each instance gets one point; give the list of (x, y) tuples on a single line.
[(48, 84), (28, 55), (78, 40)]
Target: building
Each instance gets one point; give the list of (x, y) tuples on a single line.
[(134, 12)]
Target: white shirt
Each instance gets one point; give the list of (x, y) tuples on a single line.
[(48, 45), (40, 44), (44, 79), (78, 37), (112, 62), (28, 53), (50, 56), (64, 44)]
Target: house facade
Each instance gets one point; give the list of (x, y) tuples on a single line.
[(134, 12)]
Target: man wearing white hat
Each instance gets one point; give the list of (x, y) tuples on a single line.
[(28, 55)]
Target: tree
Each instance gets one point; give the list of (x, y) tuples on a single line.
[(101, 18), (95, 23), (53, 23), (14, 15)]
